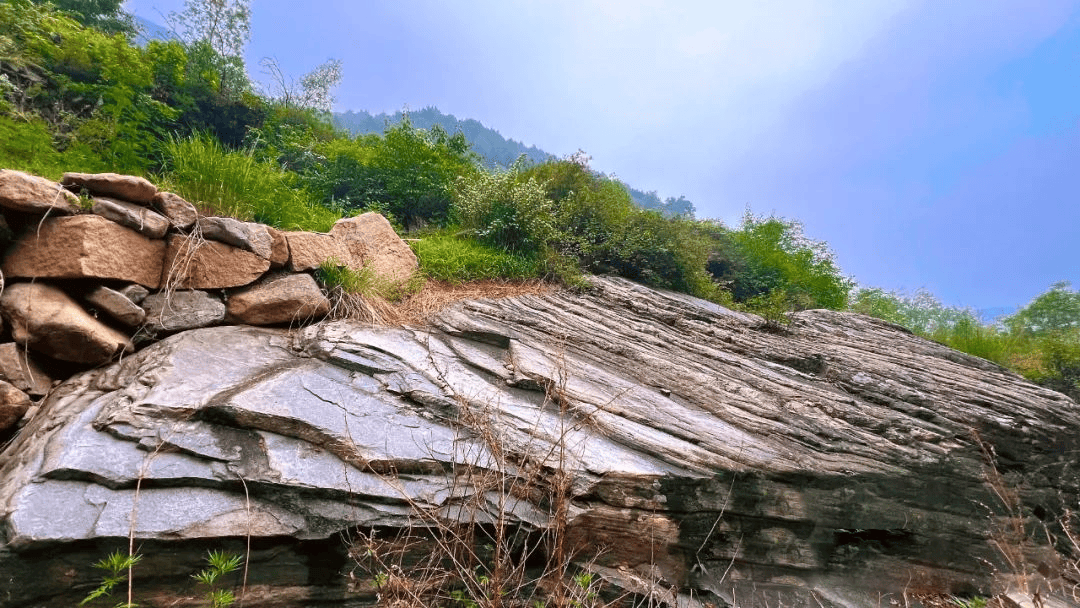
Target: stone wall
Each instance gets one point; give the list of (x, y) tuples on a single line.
[(83, 286)]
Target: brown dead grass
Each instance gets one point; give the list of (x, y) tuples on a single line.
[(418, 308)]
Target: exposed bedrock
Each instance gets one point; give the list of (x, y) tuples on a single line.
[(839, 463)]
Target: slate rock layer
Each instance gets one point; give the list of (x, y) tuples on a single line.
[(708, 457)]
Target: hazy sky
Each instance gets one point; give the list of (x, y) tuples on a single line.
[(931, 143)]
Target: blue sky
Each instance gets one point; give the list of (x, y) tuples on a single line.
[(932, 144)]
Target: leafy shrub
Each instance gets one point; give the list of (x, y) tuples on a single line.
[(505, 211), (407, 173), (766, 254), (236, 184)]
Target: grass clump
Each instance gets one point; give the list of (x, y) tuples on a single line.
[(236, 184), (453, 259)]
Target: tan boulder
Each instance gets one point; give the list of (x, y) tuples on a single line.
[(287, 299), (308, 250), (127, 187), (371, 240), (181, 213), (48, 321), (86, 246), (192, 263), (279, 248), (132, 215), (13, 406), (19, 368), (32, 194)]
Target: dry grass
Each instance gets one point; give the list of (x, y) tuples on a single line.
[(418, 307)]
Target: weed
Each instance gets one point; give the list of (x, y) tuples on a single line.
[(117, 567), (219, 563), (454, 259)]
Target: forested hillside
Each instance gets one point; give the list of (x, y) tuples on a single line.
[(78, 94), (493, 149)]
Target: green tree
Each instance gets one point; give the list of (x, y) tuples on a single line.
[(104, 15), (216, 32), (1054, 312)]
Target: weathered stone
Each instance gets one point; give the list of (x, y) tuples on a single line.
[(248, 236), (279, 249), (32, 194), (20, 369), (47, 320), (134, 292), (181, 213), (134, 216), (308, 250), (197, 264), (373, 244), (294, 298), (116, 305), (706, 458), (13, 406), (85, 246), (181, 310), (128, 187)]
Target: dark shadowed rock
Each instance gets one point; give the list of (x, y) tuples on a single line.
[(32, 194), (134, 216), (128, 187), (13, 406), (707, 459), (294, 298), (21, 369), (181, 213), (48, 321)]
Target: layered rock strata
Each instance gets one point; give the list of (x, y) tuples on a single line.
[(708, 459)]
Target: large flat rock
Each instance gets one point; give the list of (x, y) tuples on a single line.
[(702, 454)]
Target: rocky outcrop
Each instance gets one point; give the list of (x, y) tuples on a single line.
[(686, 455)]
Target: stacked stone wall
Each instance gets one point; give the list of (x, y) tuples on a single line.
[(98, 264)]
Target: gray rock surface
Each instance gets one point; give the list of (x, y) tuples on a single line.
[(707, 458), (248, 236), (116, 305), (182, 310), (134, 216)]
